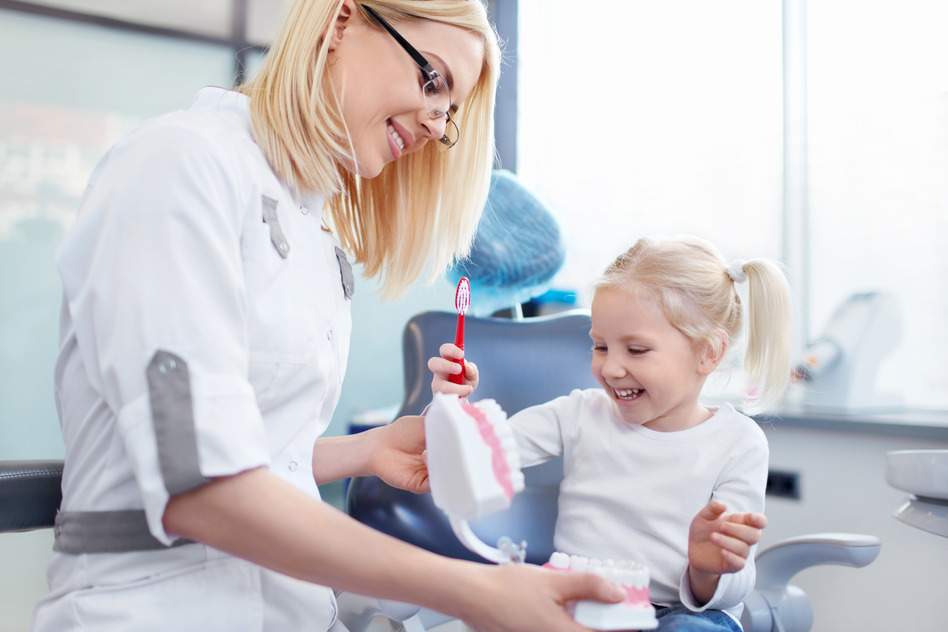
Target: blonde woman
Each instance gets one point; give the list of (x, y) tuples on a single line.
[(655, 474), (205, 330)]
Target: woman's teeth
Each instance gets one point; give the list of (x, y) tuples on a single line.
[(627, 393), (398, 139)]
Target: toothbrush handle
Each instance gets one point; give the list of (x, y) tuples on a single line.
[(459, 342)]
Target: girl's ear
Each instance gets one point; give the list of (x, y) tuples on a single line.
[(347, 13), (711, 355)]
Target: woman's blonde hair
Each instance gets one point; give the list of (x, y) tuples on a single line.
[(697, 293), (422, 208)]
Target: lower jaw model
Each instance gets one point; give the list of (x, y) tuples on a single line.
[(634, 613)]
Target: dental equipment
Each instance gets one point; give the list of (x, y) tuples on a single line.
[(512, 353), (517, 250), (636, 612), (839, 369), (473, 468)]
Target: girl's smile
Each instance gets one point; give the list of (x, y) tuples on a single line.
[(652, 371)]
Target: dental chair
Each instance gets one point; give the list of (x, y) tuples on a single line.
[(522, 362), (30, 493)]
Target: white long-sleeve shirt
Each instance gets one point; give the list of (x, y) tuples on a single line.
[(630, 493)]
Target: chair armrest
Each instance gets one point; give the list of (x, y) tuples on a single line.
[(30, 494), (777, 565), (357, 612), (774, 604)]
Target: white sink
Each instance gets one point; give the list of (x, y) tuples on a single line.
[(920, 472)]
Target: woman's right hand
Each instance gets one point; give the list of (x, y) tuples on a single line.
[(526, 598), (446, 366)]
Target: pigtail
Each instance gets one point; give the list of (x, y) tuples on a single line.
[(769, 332), (698, 294)]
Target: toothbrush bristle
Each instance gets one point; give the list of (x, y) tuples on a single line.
[(462, 298)]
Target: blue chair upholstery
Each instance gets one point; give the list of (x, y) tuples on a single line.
[(30, 494)]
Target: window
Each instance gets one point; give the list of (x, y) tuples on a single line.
[(667, 117), (652, 118), (52, 133), (878, 155)]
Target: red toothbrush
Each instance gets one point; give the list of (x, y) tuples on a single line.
[(462, 300)]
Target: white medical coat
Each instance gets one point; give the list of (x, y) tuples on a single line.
[(187, 242)]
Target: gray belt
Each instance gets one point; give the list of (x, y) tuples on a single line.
[(106, 532)]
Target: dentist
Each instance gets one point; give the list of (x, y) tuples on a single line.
[(205, 330)]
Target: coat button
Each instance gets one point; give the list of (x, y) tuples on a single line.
[(293, 466)]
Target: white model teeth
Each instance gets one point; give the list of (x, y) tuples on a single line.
[(624, 572), (498, 419), (491, 410), (398, 139), (627, 393), (559, 560)]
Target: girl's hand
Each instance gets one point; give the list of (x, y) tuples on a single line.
[(719, 543), (446, 366)]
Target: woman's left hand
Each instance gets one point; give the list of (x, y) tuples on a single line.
[(397, 456)]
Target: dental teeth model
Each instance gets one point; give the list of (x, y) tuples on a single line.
[(635, 613), (473, 466)]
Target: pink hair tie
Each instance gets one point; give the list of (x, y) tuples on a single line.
[(735, 270)]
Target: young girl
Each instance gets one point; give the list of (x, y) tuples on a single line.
[(651, 474)]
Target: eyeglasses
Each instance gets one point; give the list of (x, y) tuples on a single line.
[(435, 89)]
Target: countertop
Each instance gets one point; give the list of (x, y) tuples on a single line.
[(908, 422)]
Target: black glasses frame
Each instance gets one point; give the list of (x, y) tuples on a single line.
[(430, 74)]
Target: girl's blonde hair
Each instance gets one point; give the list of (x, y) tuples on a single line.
[(423, 207), (697, 293)]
